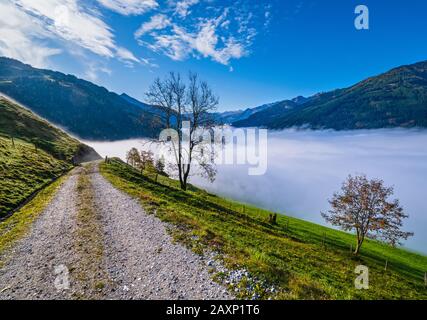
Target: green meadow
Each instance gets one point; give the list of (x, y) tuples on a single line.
[(303, 260), (23, 170)]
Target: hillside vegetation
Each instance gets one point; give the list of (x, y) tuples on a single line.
[(83, 108), (303, 260), (397, 98), (32, 154)]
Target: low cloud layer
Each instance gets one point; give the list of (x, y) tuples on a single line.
[(306, 167)]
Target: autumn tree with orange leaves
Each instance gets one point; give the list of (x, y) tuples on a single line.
[(363, 206)]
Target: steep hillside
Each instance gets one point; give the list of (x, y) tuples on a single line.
[(158, 113), (84, 109), (32, 154), (397, 98)]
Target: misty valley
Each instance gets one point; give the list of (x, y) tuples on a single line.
[(306, 167)]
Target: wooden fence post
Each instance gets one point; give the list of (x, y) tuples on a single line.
[(13, 142)]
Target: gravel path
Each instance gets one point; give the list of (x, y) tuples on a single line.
[(140, 256), (42, 258)]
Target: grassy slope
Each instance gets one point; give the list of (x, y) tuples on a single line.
[(289, 254), (21, 123), (39, 154), (23, 171), (18, 224)]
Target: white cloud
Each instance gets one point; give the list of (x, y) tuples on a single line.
[(30, 28), (66, 20), (33, 31), (172, 45), (206, 43), (129, 7), (21, 37), (157, 22), (93, 70), (126, 55), (218, 33), (182, 8)]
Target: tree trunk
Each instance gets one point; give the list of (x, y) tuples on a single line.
[(356, 252), (358, 246)]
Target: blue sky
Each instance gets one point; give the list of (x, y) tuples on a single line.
[(251, 52)]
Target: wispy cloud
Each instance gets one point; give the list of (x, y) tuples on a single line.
[(129, 7), (157, 22), (93, 70), (22, 37), (222, 34), (182, 8), (32, 31), (125, 55)]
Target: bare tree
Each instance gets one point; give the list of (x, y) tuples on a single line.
[(363, 206), (188, 107), (161, 95)]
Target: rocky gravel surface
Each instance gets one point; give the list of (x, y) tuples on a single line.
[(141, 258), (38, 266)]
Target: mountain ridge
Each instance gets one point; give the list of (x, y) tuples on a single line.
[(84, 109), (396, 98)]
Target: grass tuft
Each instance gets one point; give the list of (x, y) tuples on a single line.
[(89, 241)]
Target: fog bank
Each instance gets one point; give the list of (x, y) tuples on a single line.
[(306, 167)]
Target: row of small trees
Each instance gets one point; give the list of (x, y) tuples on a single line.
[(144, 161)]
